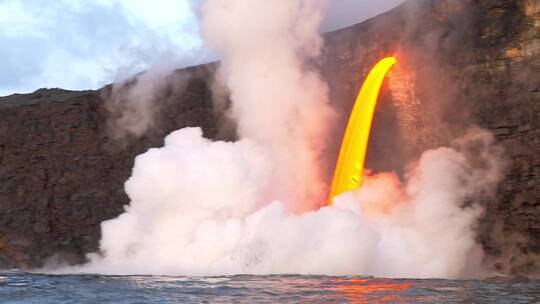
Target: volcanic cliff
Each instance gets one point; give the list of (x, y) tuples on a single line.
[(63, 160)]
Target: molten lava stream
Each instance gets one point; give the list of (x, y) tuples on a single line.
[(350, 165)]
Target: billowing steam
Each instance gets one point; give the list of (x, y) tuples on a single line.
[(134, 104), (197, 208), (278, 101), (210, 208), (133, 107)]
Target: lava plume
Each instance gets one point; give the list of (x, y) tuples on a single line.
[(350, 165)]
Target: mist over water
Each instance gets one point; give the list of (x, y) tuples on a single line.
[(202, 207)]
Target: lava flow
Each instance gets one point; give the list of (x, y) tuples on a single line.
[(350, 164)]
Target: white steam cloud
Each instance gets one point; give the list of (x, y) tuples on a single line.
[(133, 107), (197, 208), (278, 101), (212, 208)]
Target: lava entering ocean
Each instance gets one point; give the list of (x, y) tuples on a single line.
[(203, 207), (350, 164)]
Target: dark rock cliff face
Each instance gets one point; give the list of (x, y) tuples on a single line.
[(461, 63), (62, 171)]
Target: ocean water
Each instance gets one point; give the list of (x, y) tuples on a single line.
[(20, 287)]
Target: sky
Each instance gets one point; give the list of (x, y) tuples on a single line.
[(85, 44)]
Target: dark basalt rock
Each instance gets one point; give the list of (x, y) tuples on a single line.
[(463, 62)]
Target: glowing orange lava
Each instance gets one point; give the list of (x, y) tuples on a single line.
[(359, 290), (350, 165)]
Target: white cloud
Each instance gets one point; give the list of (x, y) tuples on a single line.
[(82, 45), (14, 20), (77, 44), (158, 14)]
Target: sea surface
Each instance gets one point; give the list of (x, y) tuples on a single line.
[(21, 287)]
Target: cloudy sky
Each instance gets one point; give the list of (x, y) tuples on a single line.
[(85, 44)]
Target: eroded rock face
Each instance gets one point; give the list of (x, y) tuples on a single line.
[(461, 63)]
